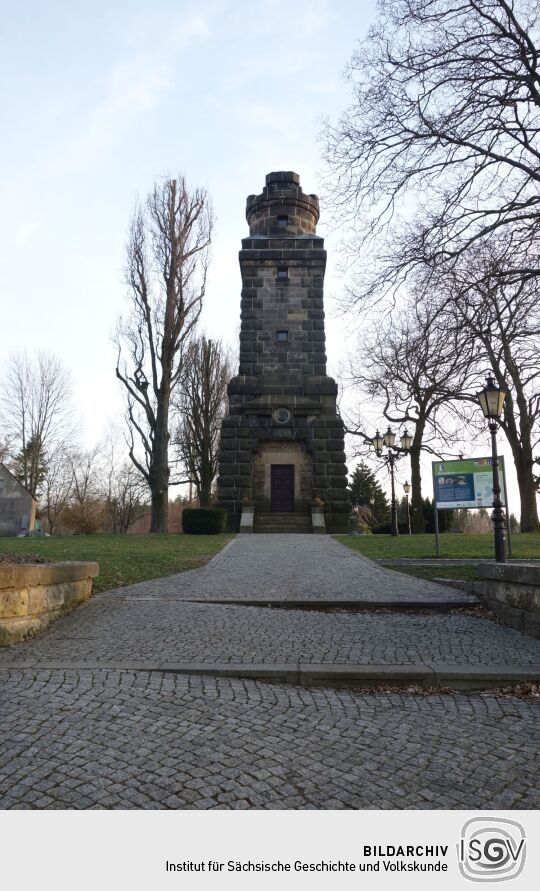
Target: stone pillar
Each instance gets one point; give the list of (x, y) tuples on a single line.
[(282, 399)]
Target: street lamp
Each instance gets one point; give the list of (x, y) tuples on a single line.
[(378, 443), (406, 440), (491, 400), (372, 502), (407, 489), (388, 439)]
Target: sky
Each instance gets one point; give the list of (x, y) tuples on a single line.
[(101, 99)]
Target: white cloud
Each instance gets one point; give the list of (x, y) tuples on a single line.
[(25, 232), (195, 28), (133, 86)]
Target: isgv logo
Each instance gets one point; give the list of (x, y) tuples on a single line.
[(491, 849)]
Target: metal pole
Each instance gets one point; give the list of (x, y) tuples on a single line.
[(408, 515), (394, 525), (498, 512), (435, 514), (506, 508)]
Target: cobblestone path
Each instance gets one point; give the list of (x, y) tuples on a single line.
[(111, 737), (110, 629), (119, 739), (286, 567)]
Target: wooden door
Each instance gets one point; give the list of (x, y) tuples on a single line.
[(282, 487)]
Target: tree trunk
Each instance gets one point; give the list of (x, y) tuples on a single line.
[(522, 453), (159, 518), (205, 494), (418, 525), (527, 495), (159, 478), (524, 468), (206, 478)]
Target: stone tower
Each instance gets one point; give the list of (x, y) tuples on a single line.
[(282, 450)]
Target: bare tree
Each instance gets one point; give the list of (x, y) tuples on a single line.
[(85, 511), (87, 491), (501, 320), (416, 366), (441, 145), (167, 260), (125, 500), (56, 489), (36, 412), (4, 450), (123, 488), (201, 403)]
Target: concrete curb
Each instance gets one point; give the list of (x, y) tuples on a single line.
[(427, 676), (216, 559), (321, 603)]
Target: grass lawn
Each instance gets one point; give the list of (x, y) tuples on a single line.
[(123, 559), (452, 545)]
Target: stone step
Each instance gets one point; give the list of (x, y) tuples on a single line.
[(293, 522), (306, 523), (274, 522), (283, 531), (353, 604), (284, 515), (431, 676)]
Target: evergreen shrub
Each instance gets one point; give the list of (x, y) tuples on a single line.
[(204, 520)]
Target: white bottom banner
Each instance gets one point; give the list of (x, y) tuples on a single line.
[(276, 849)]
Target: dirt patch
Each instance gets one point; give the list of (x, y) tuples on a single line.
[(523, 690), (22, 558)]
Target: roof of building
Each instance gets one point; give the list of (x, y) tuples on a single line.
[(13, 477)]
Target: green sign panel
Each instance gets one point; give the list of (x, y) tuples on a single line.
[(465, 483)]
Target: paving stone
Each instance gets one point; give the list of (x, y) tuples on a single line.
[(121, 633), (252, 566), (90, 734), (470, 751)]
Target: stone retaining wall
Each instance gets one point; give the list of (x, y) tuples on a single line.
[(512, 590), (34, 594)]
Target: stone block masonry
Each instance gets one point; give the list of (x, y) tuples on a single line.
[(34, 595), (282, 405), (17, 507), (512, 590)]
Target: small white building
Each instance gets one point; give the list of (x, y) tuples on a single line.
[(17, 507)]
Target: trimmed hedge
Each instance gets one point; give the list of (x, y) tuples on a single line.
[(204, 520)]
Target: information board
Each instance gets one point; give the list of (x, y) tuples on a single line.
[(466, 482)]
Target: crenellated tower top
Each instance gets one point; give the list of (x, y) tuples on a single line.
[(282, 209)]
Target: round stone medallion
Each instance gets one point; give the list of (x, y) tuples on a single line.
[(282, 415)]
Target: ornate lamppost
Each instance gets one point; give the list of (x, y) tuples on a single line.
[(407, 489), (388, 439), (372, 502), (491, 400)]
